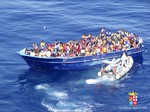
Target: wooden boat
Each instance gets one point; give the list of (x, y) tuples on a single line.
[(74, 63)]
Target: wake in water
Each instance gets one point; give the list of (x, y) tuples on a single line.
[(106, 81), (42, 87), (100, 80), (68, 106), (58, 100)]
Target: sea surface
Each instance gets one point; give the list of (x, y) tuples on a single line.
[(23, 22)]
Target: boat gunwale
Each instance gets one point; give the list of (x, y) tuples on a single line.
[(82, 57)]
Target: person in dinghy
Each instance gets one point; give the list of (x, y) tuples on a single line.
[(110, 69), (115, 67), (124, 59)]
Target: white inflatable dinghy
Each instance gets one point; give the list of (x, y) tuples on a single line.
[(122, 67)]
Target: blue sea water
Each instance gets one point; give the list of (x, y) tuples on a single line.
[(23, 22)]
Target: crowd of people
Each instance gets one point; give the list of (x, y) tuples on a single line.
[(88, 45)]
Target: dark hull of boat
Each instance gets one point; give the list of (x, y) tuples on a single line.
[(76, 62)]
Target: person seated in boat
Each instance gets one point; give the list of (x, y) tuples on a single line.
[(48, 53), (27, 51), (42, 53), (108, 33), (32, 53), (109, 68), (104, 49), (84, 36), (87, 53), (72, 54), (36, 52), (134, 44), (34, 45), (82, 52)]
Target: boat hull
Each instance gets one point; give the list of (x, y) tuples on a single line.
[(75, 63)]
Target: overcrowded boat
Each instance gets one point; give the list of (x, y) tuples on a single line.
[(85, 53)]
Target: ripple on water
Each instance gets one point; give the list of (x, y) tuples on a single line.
[(42, 87), (66, 106), (52, 91)]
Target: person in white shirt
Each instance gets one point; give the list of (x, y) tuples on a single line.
[(124, 60)]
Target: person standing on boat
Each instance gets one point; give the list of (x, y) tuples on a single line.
[(140, 41), (102, 33), (42, 45), (124, 60)]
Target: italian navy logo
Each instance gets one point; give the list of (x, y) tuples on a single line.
[(133, 100)]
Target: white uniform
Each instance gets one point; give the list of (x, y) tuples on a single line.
[(124, 60)]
